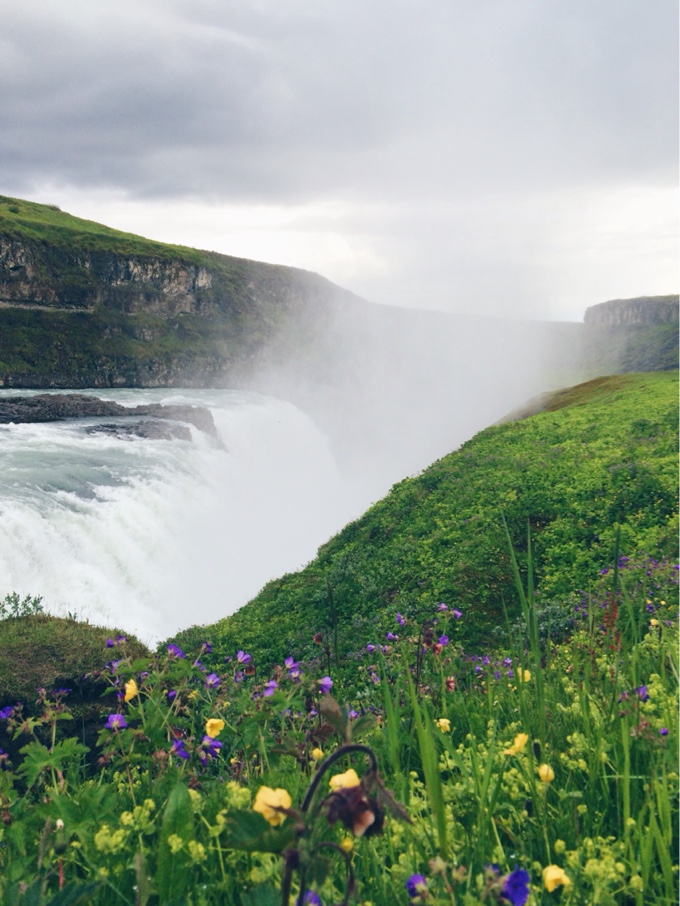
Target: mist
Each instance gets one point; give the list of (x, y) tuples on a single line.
[(396, 389)]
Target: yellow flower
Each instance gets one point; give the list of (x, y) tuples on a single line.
[(525, 677), (347, 844), (344, 781), (213, 727), (546, 773), (444, 724), (518, 745), (654, 622), (130, 690), (269, 801), (554, 876), (317, 754)]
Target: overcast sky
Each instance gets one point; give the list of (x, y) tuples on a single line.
[(513, 157)]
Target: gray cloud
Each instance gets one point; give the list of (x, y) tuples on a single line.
[(427, 104)]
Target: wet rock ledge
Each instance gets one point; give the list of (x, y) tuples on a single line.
[(53, 407)]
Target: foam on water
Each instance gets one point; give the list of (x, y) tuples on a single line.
[(154, 535)]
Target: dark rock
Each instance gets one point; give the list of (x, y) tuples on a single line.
[(149, 429), (51, 407)]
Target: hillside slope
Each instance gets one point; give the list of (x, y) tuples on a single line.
[(600, 454)]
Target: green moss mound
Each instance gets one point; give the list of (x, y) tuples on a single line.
[(42, 651), (598, 456)]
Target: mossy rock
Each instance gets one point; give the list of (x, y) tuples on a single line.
[(43, 651)]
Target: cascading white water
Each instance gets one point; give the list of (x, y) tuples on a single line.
[(155, 535)]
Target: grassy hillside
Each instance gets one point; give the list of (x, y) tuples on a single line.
[(602, 454)]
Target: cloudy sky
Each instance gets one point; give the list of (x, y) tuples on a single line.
[(514, 157)]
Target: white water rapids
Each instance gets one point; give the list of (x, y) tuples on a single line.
[(156, 535)]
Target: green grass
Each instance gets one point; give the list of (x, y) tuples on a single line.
[(601, 455)]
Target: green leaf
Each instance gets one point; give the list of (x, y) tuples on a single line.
[(178, 820), (262, 895), (247, 830)]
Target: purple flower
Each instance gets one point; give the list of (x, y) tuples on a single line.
[(113, 665), (353, 715), (311, 898), (326, 684), (400, 620), (457, 613), (210, 748), (507, 662), (200, 666), (110, 643), (374, 678), (116, 722), (650, 608), (291, 664), (486, 660), (172, 695), (206, 647), (642, 693), (243, 658), (443, 640), (120, 640), (391, 637), (239, 676), (270, 688), (175, 651), (416, 886), (5, 713), (212, 681), (516, 886), (370, 648), (663, 731), (442, 606), (178, 748), (385, 649)]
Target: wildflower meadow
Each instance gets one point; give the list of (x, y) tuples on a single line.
[(543, 771)]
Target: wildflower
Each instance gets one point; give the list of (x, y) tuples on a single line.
[(457, 613), (554, 876), (400, 619), (444, 724), (437, 648), (370, 648), (443, 640), (116, 722), (243, 658), (213, 727), (210, 748), (516, 886), (359, 814), (110, 643), (206, 647), (525, 676), (391, 637), (518, 745), (271, 804), (175, 651), (642, 693), (654, 623), (130, 690), (663, 731), (416, 887), (344, 781), (6, 713), (441, 607), (450, 683), (347, 844), (317, 754), (172, 695), (326, 684), (212, 681), (546, 773), (507, 662), (200, 666), (270, 688), (318, 638), (311, 898), (353, 714), (178, 748), (291, 664)]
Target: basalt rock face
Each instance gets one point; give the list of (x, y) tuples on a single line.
[(625, 335), (641, 311)]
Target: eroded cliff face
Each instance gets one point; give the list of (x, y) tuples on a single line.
[(39, 275), (643, 310)]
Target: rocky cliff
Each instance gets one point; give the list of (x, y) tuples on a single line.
[(625, 335)]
